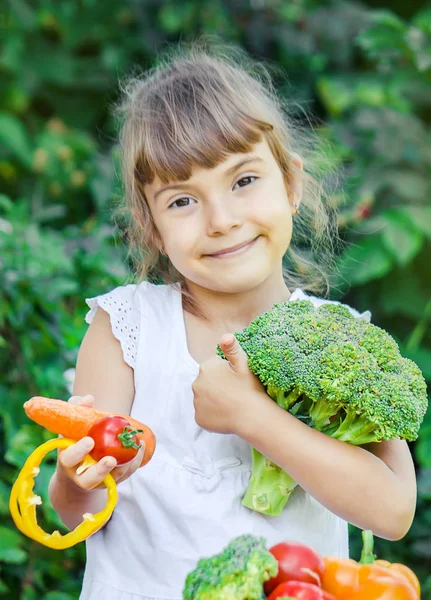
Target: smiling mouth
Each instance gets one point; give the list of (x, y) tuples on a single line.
[(240, 250)]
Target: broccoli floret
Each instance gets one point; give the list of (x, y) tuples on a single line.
[(237, 573), (338, 374)]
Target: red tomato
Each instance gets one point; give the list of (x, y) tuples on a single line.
[(114, 436), (300, 590), (296, 562)]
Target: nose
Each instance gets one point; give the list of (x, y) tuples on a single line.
[(221, 216)]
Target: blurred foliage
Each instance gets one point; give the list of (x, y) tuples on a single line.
[(364, 76)]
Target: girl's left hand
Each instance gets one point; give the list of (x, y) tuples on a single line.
[(225, 390)]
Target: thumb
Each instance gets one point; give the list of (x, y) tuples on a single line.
[(233, 351)]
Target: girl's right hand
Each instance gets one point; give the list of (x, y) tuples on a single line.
[(70, 458)]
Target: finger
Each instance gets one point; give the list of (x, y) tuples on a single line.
[(122, 472), (87, 400), (138, 458), (73, 455), (132, 466), (95, 475)]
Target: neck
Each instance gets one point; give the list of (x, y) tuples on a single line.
[(234, 311)]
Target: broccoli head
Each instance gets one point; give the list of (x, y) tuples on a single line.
[(338, 374), (237, 573)]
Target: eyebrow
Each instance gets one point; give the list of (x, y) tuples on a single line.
[(241, 163)]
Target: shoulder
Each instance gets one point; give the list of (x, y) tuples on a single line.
[(298, 294), (126, 308), (125, 300)]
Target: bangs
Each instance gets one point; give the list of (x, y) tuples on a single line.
[(192, 123)]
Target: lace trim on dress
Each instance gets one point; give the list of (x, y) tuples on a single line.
[(123, 316)]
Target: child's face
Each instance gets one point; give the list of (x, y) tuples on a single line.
[(220, 208)]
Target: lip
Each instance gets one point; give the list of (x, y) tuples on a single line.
[(233, 250)]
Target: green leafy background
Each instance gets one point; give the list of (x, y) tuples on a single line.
[(362, 70)]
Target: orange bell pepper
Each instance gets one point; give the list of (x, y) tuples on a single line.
[(369, 579), (403, 570)]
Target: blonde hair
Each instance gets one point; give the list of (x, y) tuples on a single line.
[(202, 101)]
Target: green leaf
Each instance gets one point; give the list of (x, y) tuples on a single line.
[(49, 213), (407, 184), (422, 20), (3, 588), (400, 237), (11, 410), (423, 60), (335, 95), (364, 261), (371, 93), (29, 593), (58, 596), (386, 33), (423, 447), (23, 443), (176, 17), (14, 136), (10, 542), (6, 204), (102, 183), (419, 44), (419, 217), (4, 498), (386, 18), (404, 293)]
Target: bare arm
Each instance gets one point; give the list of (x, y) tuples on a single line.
[(101, 372), (372, 487)]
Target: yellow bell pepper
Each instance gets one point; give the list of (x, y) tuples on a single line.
[(23, 502)]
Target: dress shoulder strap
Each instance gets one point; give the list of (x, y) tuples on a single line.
[(298, 294)]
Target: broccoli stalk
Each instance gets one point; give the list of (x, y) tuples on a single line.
[(336, 373), (354, 429), (283, 399), (269, 486), (341, 424)]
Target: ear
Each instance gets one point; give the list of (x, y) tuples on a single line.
[(297, 180)]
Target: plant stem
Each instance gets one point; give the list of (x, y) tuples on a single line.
[(367, 556)]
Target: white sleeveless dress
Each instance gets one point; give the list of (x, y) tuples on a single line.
[(186, 502)]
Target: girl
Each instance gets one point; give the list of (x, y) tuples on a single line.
[(212, 177)]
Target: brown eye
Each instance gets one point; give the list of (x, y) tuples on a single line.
[(245, 178), (180, 200)]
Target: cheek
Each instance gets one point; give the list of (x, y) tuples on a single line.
[(276, 219), (182, 239)]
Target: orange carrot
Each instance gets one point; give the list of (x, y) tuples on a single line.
[(74, 421)]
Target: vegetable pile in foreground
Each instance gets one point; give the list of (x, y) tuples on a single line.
[(114, 435), (238, 572), (335, 372), (246, 570)]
